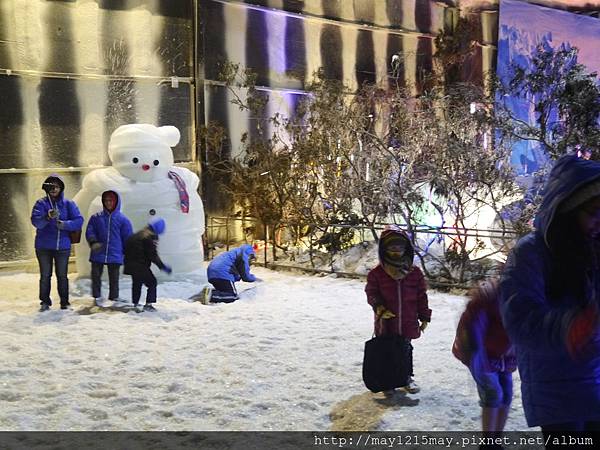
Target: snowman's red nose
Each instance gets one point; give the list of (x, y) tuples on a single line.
[(145, 167)]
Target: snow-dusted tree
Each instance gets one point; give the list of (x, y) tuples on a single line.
[(563, 95), (465, 172), (563, 103)]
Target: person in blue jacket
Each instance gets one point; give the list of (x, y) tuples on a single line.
[(550, 294), (54, 217), (227, 268), (106, 234)]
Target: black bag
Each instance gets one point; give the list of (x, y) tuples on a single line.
[(387, 363)]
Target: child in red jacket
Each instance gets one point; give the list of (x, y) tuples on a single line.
[(397, 292), (483, 346)]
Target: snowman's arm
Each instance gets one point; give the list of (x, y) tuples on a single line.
[(89, 191), (191, 183)]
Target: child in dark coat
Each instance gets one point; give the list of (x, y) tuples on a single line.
[(482, 344), (106, 233), (397, 292), (140, 253)]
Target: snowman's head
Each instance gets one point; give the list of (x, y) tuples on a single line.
[(142, 152)]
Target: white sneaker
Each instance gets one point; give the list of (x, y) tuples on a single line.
[(411, 387), (120, 303), (100, 302), (139, 308)]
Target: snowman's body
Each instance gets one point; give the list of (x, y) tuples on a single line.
[(140, 174)]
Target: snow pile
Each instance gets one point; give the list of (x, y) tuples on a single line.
[(287, 356)]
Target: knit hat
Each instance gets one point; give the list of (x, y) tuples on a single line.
[(391, 243), (157, 225), (580, 196)]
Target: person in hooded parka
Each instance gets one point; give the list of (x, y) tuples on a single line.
[(223, 272), (54, 217), (106, 233), (549, 298), (397, 292)]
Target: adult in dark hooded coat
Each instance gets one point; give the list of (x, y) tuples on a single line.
[(549, 296), (53, 217)]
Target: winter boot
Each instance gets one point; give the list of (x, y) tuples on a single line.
[(149, 308), (206, 295), (44, 307), (65, 306), (139, 308), (100, 302)]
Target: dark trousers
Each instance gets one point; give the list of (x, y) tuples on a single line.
[(113, 280), (60, 259), (137, 280), (565, 432), (224, 291)]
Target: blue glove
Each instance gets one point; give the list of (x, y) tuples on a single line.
[(167, 269)]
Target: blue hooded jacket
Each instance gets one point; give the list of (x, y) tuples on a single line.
[(111, 229), (233, 265), (556, 387), (53, 234)]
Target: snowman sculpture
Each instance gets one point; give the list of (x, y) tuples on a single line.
[(150, 186)]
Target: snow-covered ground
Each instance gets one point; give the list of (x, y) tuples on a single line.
[(285, 357)]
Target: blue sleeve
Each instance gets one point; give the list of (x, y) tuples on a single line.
[(74, 220), (90, 230), (246, 275), (529, 319), (39, 214)]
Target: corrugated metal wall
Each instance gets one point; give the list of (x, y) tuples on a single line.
[(285, 41), (70, 73)]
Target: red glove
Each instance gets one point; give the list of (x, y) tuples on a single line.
[(581, 329)]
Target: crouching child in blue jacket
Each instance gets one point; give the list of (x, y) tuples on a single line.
[(106, 234), (225, 270), (140, 252)]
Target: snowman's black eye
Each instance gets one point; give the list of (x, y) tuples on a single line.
[(156, 163), (135, 160)]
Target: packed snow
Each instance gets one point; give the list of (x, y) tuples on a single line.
[(286, 356)]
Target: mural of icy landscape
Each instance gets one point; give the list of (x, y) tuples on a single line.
[(524, 26)]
